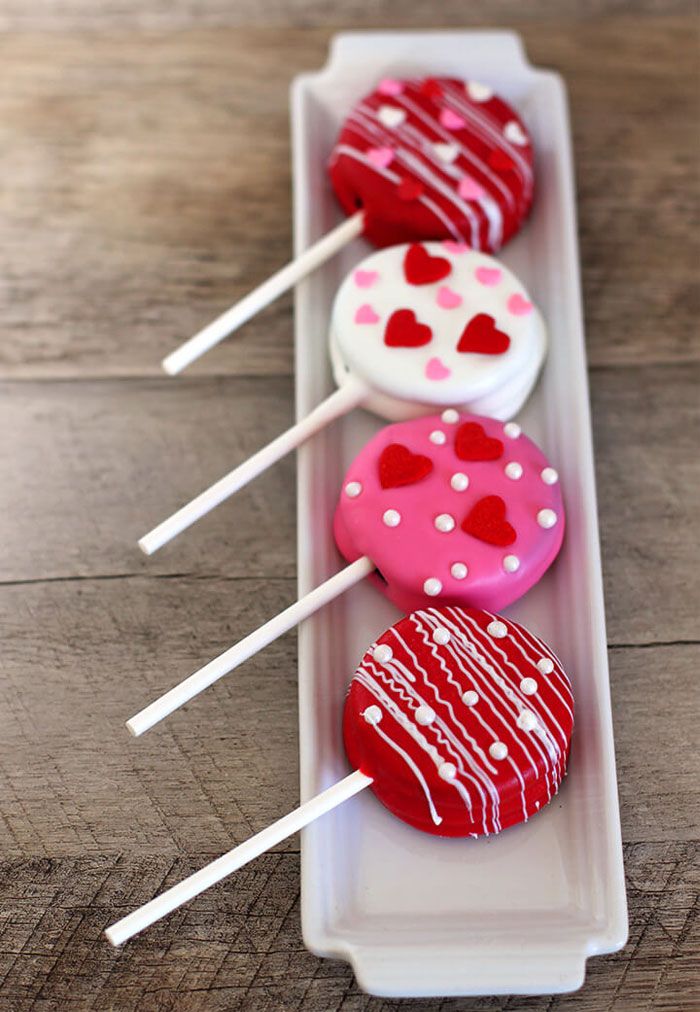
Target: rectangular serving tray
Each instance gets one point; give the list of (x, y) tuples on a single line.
[(416, 915)]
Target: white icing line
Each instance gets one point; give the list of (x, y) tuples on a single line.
[(412, 766)]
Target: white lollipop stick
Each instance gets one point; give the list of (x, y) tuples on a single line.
[(266, 293), (339, 403), (212, 873), (235, 655)]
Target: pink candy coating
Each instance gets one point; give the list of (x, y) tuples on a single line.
[(413, 531)]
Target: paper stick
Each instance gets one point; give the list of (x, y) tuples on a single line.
[(212, 873), (235, 655), (266, 293), (352, 393)]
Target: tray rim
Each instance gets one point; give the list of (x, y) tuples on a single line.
[(370, 963)]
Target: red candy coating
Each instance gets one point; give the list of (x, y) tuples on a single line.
[(434, 159), (462, 718)]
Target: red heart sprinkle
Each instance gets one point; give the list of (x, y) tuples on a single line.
[(482, 336), (420, 268), (472, 443), (500, 160), (430, 88), (410, 189), (398, 466), (403, 330), (487, 521)]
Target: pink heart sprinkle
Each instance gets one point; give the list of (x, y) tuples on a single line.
[(455, 247), (488, 275), (365, 279), (365, 314), (390, 86), (447, 298), (518, 305), (381, 157), (435, 370), (469, 189), (451, 120)]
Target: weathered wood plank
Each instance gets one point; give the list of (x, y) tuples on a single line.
[(146, 186), (95, 465), (239, 947)]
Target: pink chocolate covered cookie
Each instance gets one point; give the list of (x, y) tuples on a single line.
[(456, 508), (462, 718), (437, 158)]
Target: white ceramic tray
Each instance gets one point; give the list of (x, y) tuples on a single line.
[(416, 915)]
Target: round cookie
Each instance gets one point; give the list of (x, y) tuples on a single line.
[(426, 325), (434, 158), (462, 718), (456, 509)]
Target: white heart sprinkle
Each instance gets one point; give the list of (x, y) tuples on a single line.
[(514, 133), (446, 152), (479, 92), (390, 116)]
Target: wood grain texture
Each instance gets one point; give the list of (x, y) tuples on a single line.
[(147, 187), (145, 167)]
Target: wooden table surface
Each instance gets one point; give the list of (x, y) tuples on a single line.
[(144, 161)]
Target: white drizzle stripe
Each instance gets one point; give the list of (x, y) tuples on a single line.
[(470, 156), (483, 125), (396, 712), (441, 731), (475, 712), (548, 740), (550, 768), (345, 149), (462, 649), (412, 766), (479, 671), (538, 676), (540, 648), (439, 728), (532, 702), (479, 761), (373, 135)]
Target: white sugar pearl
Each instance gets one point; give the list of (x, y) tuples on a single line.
[(450, 417), (448, 771), (549, 476), (437, 437), (459, 481), (497, 629), (445, 523), (392, 518), (545, 666), (470, 698), (458, 570), (372, 715), (527, 721), (353, 489), (528, 686), (383, 653), (512, 430), (514, 470), (441, 635), (425, 715), (546, 519), (432, 586), (511, 563), (498, 750)]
